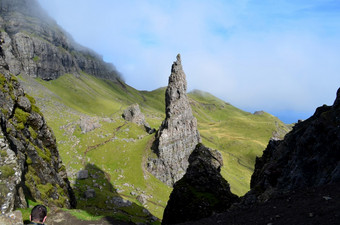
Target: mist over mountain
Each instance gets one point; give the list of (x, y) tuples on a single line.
[(35, 45), (74, 136)]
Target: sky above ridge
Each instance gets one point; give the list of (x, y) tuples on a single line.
[(279, 56)]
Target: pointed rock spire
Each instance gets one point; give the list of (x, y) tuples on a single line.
[(178, 134)]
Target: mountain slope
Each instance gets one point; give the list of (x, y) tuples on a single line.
[(34, 45), (221, 125)]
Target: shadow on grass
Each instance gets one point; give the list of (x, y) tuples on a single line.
[(98, 197)]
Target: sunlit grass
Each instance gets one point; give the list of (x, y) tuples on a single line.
[(122, 153)]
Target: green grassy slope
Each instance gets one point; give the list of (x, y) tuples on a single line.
[(118, 150), (239, 135)]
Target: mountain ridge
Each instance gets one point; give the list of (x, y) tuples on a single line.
[(72, 88)]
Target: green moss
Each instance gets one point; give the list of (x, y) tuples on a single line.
[(4, 111), (14, 78), (45, 190), (44, 154), (6, 171), (21, 116), (28, 160), (2, 79), (30, 98), (36, 58), (34, 134), (19, 126), (3, 153)]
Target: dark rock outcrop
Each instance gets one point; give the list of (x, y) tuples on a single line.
[(30, 164), (33, 44), (309, 156), (202, 191), (178, 134)]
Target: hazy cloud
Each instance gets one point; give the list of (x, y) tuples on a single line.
[(279, 56)]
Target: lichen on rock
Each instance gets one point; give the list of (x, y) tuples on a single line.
[(31, 167)]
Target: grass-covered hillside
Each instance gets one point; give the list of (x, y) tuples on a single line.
[(115, 152)]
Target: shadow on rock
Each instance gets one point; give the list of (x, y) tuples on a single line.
[(98, 197)]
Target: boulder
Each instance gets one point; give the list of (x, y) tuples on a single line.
[(82, 174), (134, 115), (202, 191)]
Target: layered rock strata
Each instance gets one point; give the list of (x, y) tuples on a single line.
[(202, 191), (30, 165), (178, 134), (33, 44)]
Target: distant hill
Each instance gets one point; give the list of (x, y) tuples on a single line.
[(82, 99)]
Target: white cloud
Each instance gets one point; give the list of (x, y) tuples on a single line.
[(268, 56)]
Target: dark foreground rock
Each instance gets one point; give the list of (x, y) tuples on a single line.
[(297, 179), (30, 165), (178, 134), (308, 156), (202, 191), (312, 206)]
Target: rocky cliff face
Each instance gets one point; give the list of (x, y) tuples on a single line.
[(202, 191), (178, 134), (33, 44), (308, 156), (30, 164)]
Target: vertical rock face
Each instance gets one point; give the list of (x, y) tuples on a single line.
[(30, 164), (202, 191), (308, 156), (34, 45), (178, 134)]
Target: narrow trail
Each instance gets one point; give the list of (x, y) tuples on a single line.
[(239, 161), (90, 148)]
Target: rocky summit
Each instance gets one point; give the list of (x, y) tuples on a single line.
[(202, 191), (30, 165), (34, 45), (178, 134)]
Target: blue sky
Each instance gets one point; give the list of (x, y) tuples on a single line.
[(279, 56)]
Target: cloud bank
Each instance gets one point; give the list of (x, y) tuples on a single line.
[(279, 56)]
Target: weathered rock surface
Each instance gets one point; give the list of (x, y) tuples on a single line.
[(12, 218), (30, 164), (178, 134), (309, 156), (34, 45), (202, 191), (134, 115), (88, 124)]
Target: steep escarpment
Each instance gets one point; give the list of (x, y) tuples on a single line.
[(202, 191), (308, 156), (178, 134), (33, 44), (30, 165)]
